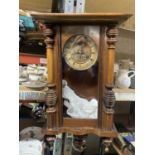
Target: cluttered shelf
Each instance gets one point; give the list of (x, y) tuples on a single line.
[(126, 94), (31, 94), (124, 144), (36, 90), (25, 58)]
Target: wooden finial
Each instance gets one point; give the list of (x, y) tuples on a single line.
[(111, 33)]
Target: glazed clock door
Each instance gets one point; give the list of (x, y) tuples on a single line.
[(80, 53)]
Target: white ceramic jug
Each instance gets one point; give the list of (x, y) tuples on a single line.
[(123, 79)]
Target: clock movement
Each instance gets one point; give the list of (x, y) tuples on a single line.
[(80, 52)]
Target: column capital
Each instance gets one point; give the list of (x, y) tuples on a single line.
[(111, 34), (49, 37)]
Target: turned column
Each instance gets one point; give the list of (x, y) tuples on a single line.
[(109, 97), (111, 34), (51, 97)]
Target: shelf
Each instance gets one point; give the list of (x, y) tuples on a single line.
[(124, 94), (121, 94), (117, 149), (27, 94), (32, 59)]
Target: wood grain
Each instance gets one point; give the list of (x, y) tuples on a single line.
[(50, 65), (71, 122), (83, 131), (91, 18), (107, 31)]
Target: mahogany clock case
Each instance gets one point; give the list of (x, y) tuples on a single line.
[(96, 81)]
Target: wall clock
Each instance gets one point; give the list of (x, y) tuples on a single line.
[(81, 51)]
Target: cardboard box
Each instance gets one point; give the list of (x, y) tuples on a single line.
[(80, 6), (68, 6)]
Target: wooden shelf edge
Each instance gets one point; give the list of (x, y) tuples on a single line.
[(124, 94), (32, 59), (117, 149)]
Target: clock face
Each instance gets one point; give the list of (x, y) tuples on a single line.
[(80, 52)]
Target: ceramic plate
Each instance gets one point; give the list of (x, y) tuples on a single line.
[(31, 132), (34, 84), (22, 79)]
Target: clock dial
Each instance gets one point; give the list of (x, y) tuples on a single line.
[(80, 52)]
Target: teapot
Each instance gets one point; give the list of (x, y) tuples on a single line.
[(123, 79)]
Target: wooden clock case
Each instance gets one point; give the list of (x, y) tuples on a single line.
[(102, 28)]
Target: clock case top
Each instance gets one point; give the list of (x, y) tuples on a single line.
[(81, 18), (107, 22)]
